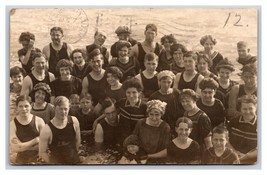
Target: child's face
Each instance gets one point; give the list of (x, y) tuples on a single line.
[(132, 94), (78, 58), (133, 149), (224, 73), (123, 52), (219, 141), (249, 79), (242, 51), (17, 79), (85, 104), (40, 96), (151, 65), (154, 117), (248, 110), (183, 131), (74, 104), (189, 63), (178, 56), (188, 103), (208, 45), (207, 94), (202, 65), (165, 83)]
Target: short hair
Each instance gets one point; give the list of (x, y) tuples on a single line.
[(59, 100), (251, 68), (26, 36), (86, 96), (56, 29), (44, 87), (150, 56), (153, 27), (226, 64), (247, 99), (78, 50), (97, 32), (208, 83), (201, 55), (106, 103), (205, 38), (23, 98), (132, 83), (120, 44), (38, 55), (74, 96), (242, 44), (123, 30), (221, 130), (188, 93), (95, 52), (64, 63), (186, 120), (16, 70), (177, 46), (115, 71), (170, 37), (191, 54)]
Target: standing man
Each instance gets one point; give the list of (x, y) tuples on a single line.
[(61, 136), (56, 50), (149, 45), (99, 40), (38, 75)]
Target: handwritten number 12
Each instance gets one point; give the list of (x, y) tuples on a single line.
[(236, 23)]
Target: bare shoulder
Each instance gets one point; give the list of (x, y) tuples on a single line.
[(75, 120), (51, 76)]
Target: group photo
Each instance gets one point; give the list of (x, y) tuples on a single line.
[(133, 86)]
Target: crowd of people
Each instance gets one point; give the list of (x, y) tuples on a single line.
[(156, 103)]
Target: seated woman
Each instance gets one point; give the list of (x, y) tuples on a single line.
[(40, 107), (24, 132), (153, 132), (203, 66), (66, 84), (201, 123), (249, 76), (208, 43)]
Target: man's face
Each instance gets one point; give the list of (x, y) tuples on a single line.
[(242, 52), (62, 110), (39, 63), (78, 58), (100, 38), (56, 37), (150, 35)]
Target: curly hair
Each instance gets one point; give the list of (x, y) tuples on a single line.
[(17, 70), (44, 87), (64, 63), (156, 104), (208, 83), (132, 83), (188, 93), (78, 50), (170, 37), (115, 71), (205, 38), (177, 46), (26, 36), (120, 44)]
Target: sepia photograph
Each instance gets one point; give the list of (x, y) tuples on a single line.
[(133, 86)]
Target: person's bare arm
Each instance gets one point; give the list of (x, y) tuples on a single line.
[(99, 134), (78, 132), (134, 51), (16, 145), (45, 138), (207, 141), (46, 51), (176, 80), (25, 59), (199, 79), (233, 101), (26, 86), (85, 85), (69, 49), (160, 154)]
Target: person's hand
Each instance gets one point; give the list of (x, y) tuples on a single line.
[(30, 45)]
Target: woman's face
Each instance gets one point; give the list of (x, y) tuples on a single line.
[(24, 108), (17, 79), (208, 45), (183, 131), (202, 65), (248, 110), (123, 52), (111, 79), (78, 58), (40, 96), (64, 73), (178, 56), (167, 44), (132, 94), (188, 103), (224, 73), (165, 83), (207, 95), (154, 117)]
